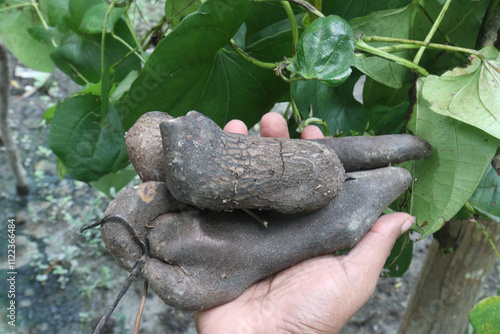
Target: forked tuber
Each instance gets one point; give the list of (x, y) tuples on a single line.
[(196, 259), (200, 258)]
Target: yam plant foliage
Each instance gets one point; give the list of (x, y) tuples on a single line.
[(424, 71)]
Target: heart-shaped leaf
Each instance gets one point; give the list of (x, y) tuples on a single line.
[(446, 180), (88, 149), (325, 51), (469, 94)]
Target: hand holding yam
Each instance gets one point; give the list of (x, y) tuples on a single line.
[(202, 251)]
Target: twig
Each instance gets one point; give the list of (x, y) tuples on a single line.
[(120, 295), (141, 308), (137, 267)]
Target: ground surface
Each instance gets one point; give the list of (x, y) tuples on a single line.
[(66, 281)]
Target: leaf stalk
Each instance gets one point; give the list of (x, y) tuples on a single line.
[(293, 24), (433, 30), (362, 46), (256, 62)]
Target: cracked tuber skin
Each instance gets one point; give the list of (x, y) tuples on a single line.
[(143, 142), (212, 169), (197, 259)]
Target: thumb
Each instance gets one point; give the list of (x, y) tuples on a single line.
[(371, 252)]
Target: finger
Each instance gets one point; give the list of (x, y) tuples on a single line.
[(273, 125), (236, 126), (371, 252), (312, 132)]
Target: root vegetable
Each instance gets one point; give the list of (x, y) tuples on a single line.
[(212, 169)]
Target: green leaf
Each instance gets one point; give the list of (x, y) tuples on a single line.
[(388, 120), (396, 23), (460, 25), (387, 107), (14, 31), (400, 258), (325, 51), (114, 182), (88, 150), (335, 105), (486, 198), (375, 93), (216, 82), (61, 170), (469, 94), (87, 16), (49, 114), (83, 54), (177, 10), (349, 9), (54, 11), (447, 179), (264, 19), (46, 36), (485, 316), (124, 86)]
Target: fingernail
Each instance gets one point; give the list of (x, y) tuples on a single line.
[(414, 219), (406, 226)]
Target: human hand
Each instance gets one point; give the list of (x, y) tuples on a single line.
[(198, 259), (316, 296)]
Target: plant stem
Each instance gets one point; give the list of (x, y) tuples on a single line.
[(429, 45), (361, 45), (315, 120), (295, 112), (79, 74), (431, 33), (293, 24), (267, 66), (15, 6), (136, 40), (302, 3), (309, 7), (119, 39), (103, 33), (128, 54), (40, 16), (390, 49), (152, 31), (287, 111)]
